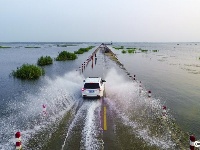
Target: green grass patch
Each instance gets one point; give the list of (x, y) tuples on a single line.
[(5, 47), (64, 55), (32, 47), (83, 50), (117, 48), (65, 45), (131, 51), (28, 72), (144, 50), (123, 51), (131, 48), (42, 61), (155, 50)]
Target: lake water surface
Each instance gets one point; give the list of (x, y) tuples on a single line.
[(172, 74)]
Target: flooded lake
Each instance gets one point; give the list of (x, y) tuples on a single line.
[(172, 74)]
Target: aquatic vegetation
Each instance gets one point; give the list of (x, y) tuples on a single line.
[(155, 50), (28, 72), (32, 47), (5, 47), (143, 50), (131, 50), (83, 50), (123, 51), (117, 48), (64, 55), (42, 61), (65, 45)]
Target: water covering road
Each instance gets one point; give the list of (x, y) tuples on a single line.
[(133, 121)]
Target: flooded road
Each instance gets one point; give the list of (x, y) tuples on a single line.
[(125, 118)]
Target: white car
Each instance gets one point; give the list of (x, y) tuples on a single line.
[(93, 87)]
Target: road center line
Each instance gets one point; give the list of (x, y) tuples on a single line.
[(104, 119)]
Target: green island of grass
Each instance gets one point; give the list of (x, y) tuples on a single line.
[(131, 50), (123, 51), (143, 50), (42, 61), (5, 47), (117, 48), (64, 55), (32, 47), (65, 45), (28, 72), (155, 50), (83, 50)]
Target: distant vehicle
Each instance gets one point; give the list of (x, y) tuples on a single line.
[(93, 87)]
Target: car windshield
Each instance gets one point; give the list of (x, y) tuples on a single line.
[(91, 86)]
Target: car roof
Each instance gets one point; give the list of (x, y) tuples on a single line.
[(92, 80)]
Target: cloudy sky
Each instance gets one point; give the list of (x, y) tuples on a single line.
[(100, 20)]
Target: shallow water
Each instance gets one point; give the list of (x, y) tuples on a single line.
[(173, 76), (162, 72)]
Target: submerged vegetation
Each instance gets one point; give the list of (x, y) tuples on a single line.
[(28, 72), (32, 47), (42, 61), (64, 55), (83, 50), (65, 45), (155, 50), (131, 50), (117, 48), (123, 51), (5, 47), (143, 50)]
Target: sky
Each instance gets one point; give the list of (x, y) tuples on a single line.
[(99, 20)]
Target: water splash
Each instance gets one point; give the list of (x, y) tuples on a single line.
[(136, 110), (25, 112)]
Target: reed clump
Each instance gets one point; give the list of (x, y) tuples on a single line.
[(32, 47), (117, 48), (28, 72), (5, 47), (131, 50), (42, 61), (143, 50), (83, 50), (123, 51), (155, 50), (64, 55)]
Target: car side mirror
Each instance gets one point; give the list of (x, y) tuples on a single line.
[(103, 80), (83, 80)]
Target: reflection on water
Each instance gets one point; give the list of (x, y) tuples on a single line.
[(173, 76)]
